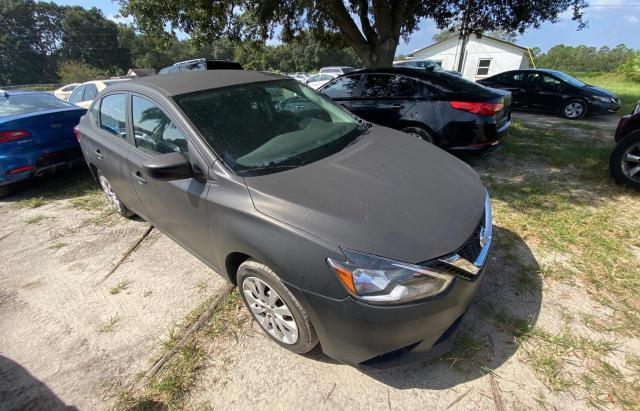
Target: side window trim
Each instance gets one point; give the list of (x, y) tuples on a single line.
[(98, 120), (130, 126)]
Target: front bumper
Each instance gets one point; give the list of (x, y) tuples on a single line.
[(379, 337), (601, 107)]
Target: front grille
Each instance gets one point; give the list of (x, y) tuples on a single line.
[(471, 248)]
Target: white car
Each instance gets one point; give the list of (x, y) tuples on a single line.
[(319, 80), (65, 91), (84, 94), (338, 70)]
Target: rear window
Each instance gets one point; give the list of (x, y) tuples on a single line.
[(27, 103), (457, 84)]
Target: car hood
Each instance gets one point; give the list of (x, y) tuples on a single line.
[(387, 194), (599, 91)]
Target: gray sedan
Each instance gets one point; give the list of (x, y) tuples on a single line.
[(365, 239)]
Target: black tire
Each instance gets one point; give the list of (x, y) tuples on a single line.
[(420, 133), (112, 197), (251, 270), (619, 163), (574, 109)]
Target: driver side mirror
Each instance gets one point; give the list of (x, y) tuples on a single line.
[(168, 167)]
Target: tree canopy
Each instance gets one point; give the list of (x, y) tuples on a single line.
[(372, 28)]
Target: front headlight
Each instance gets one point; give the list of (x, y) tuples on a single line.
[(603, 99), (379, 280)]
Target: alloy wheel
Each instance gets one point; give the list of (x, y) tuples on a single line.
[(574, 110), (631, 162), (270, 310), (111, 195)]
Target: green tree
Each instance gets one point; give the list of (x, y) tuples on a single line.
[(372, 28), (77, 72)]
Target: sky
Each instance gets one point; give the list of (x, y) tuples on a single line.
[(610, 22)]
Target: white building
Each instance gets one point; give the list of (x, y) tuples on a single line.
[(483, 57)]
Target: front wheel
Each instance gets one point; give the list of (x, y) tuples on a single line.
[(624, 162), (112, 196), (272, 305), (574, 109)]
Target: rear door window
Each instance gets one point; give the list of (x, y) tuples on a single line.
[(76, 96), (389, 86), (113, 115), (153, 130), (343, 87), (90, 92)]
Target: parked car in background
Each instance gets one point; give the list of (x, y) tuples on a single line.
[(319, 80), (555, 92), (301, 77), (201, 65), (448, 111), (364, 239), (36, 136), (624, 162), (65, 91), (84, 94), (425, 64), (337, 70)]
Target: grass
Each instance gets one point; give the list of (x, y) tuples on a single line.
[(551, 187), (120, 286), (33, 202), (627, 90), (110, 325), (169, 388), (38, 218)]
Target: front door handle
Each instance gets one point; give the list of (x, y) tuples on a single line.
[(98, 154), (138, 176)]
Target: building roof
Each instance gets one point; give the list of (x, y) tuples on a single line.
[(189, 82), (478, 38)]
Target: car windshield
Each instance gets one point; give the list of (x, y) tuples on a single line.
[(266, 127), (569, 79), (27, 103)]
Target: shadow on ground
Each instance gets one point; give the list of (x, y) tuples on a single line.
[(20, 390), (511, 289), (59, 186)]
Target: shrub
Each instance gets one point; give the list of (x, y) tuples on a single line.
[(631, 68), (78, 72)]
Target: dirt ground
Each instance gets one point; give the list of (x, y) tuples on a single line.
[(67, 333), (66, 330)]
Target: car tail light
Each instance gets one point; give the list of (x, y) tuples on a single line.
[(19, 170), (76, 132), (481, 109), (13, 135)]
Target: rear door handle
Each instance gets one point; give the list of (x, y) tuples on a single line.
[(98, 154), (138, 176)]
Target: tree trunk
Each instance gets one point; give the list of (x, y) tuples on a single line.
[(376, 55)]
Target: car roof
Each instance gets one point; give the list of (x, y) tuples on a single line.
[(4, 93), (174, 84), (420, 73)]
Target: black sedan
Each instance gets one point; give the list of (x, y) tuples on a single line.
[(443, 109), (555, 92), (624, 162)]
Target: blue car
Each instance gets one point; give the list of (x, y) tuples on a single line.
[(36, 136)]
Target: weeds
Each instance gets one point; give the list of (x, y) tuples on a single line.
[(120, 286), (110, 325)]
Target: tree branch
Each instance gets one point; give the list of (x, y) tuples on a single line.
[(345, 23), (363, 12)]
